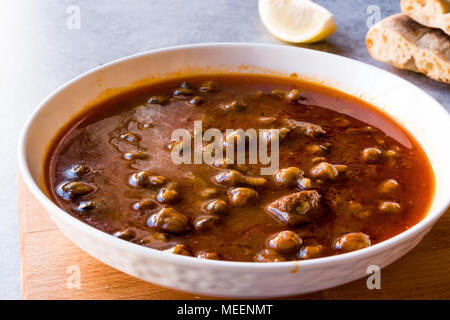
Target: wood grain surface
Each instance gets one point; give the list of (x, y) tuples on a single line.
[(48, 259)]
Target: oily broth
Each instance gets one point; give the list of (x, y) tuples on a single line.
[(91, 138)]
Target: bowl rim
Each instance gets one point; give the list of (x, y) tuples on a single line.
[(49, 205)]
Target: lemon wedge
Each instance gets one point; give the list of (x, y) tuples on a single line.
[(297, 21)]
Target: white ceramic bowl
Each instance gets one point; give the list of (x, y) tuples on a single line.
[(428, 122)]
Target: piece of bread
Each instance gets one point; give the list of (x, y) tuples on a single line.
[(430, 13), (402, 42)]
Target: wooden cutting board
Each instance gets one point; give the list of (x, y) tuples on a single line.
[(48, 260)]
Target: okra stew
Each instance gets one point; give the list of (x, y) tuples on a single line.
[(348, 176)]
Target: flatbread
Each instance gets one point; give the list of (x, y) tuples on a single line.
[(405, 44), (430, 13)]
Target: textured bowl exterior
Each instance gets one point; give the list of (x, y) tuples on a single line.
[(400, 99), (236, 282)]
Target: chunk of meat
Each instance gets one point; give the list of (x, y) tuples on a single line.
[(352, 241), (304, 128), (285, 242), (268, 255), (169, 220), (296, 208)]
